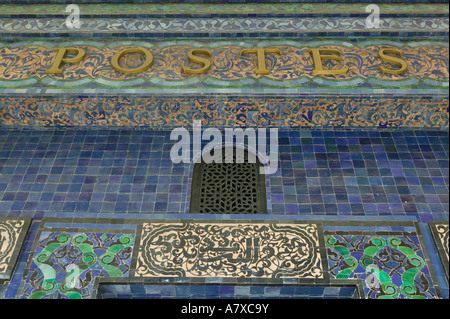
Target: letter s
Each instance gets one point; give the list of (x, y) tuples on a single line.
[(392, 60), (199, 60)]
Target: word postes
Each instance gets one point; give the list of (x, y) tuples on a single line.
[(202, 58)]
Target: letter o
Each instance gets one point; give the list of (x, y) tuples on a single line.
[(148, 60)]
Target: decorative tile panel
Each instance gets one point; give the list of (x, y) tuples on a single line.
[(69, 254), (192, 249), (65, 264), (72, 257), (440, 232), (12, 236), (392, 265)]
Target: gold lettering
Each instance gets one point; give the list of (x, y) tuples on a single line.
[(392, 60), (261, 58), (148, 60), (61, 58), (199, 60), (319, 55)]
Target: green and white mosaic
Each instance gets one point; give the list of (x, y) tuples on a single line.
[(234, 8)]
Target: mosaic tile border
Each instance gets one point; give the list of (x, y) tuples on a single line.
[(440, 231), (168, 112), (13, 232), (330, 228), (249, 26), (235, 9)]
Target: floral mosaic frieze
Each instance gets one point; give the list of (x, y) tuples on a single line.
[(216, 111)]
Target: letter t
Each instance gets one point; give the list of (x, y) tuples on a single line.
[(261, 55)]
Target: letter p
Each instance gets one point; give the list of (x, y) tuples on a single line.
[(61, 58)]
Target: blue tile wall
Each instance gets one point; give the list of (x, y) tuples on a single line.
[(224, 292), (321, 173)]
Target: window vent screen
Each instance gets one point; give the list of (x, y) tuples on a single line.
[(229, 188)]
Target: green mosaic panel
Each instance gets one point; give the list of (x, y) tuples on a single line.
[(65, 264), (392, 265)]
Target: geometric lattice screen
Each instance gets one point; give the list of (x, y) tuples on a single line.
[(234, 186)]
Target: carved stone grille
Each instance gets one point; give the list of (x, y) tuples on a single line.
[(229, 188)]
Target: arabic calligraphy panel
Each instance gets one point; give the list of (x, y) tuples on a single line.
[(229, 250)]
